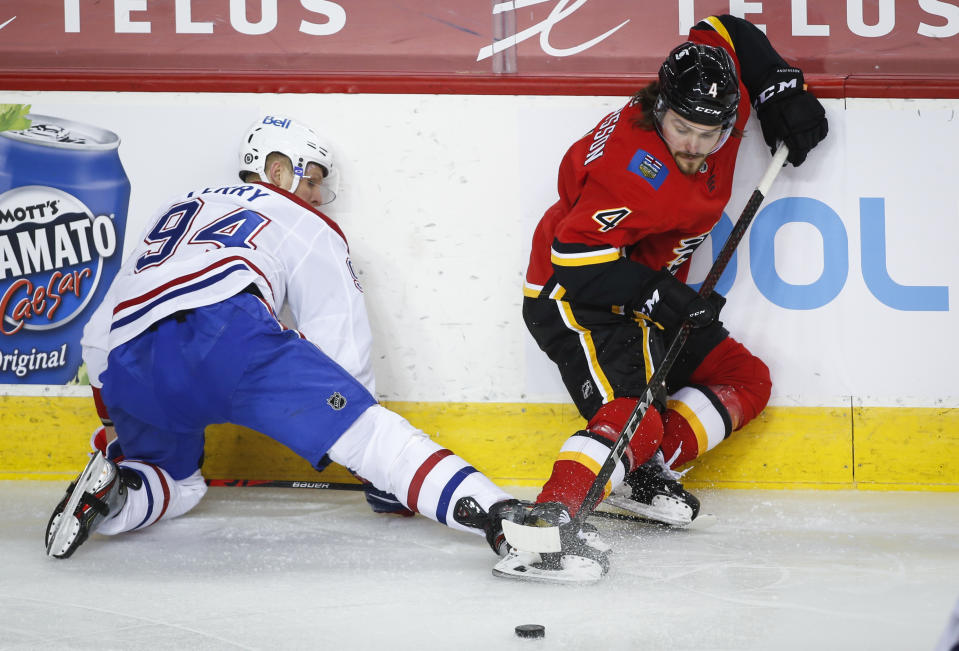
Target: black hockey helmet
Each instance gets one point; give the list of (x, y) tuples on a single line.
[(699, 83)]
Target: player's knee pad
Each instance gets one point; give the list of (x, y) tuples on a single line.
[(394, 456), (156, 496), (610, 420), (731, 365)]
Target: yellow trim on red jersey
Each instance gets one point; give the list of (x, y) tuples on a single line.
[(717, 25), (583, 259)]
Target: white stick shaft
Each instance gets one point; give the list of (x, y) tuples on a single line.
[(779, 159)]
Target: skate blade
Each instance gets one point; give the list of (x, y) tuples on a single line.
[(66, 528), (525, 566), (612, 512), (673, 515)]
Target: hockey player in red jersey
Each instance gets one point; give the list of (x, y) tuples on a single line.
[(188, 336), (605, 290)]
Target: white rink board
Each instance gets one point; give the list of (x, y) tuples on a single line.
[(441, 193)]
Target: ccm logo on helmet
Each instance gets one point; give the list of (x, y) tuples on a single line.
[(703, 109), (283, 123)]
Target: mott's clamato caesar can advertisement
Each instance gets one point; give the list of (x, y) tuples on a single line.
[(63, 209)]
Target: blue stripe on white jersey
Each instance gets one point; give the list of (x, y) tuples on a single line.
[(179, 291), (443, 506)]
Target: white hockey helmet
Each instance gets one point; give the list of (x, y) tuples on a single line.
[(296, 141)]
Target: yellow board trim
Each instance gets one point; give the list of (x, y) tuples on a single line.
[(515, 444)]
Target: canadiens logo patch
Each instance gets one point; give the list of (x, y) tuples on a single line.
[(337, 401), (648, 167)]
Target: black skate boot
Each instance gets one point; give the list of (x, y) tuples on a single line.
[(470, 514), (653, 491), (99, 492)]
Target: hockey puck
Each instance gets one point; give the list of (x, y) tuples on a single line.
[(531, 630)]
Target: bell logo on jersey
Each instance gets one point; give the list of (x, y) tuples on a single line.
[(648, 167), (337, 401)]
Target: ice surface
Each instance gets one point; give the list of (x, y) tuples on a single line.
[(255, 568)]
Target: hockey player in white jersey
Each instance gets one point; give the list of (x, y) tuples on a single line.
[(188, 336)]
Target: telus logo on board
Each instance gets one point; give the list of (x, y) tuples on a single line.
[(129, 18)]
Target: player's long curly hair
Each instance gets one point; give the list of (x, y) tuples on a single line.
[(646, 98)]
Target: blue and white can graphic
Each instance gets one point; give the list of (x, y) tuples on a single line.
[(63, 205)]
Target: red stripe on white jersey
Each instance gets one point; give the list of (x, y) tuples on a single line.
[(420, 476)]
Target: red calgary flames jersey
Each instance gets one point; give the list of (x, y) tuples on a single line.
[(623, 200)]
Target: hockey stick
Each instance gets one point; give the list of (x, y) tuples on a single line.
[(659, 376), (277, 483)]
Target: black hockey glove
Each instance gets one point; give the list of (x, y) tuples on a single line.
[(669, 301), (790, 114)]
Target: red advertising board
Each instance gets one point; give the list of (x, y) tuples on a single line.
[(310, 44)]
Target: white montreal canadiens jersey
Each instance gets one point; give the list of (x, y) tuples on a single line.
[(212, 244)]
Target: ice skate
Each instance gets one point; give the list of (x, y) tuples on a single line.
[(538, 541), (653, 492), (96, 494), (583, 558), (469, 513)]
